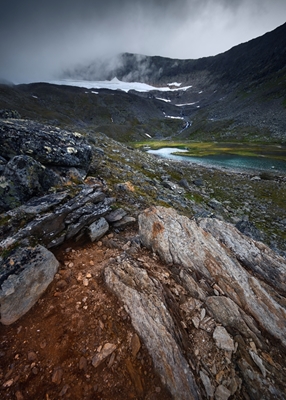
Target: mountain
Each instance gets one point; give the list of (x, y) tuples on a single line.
[(236, 95)]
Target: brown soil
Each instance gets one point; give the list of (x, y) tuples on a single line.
[(48, 353)]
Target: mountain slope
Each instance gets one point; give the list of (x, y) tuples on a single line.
[(237, 95)]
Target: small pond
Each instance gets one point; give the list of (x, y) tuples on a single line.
[(234, 162)]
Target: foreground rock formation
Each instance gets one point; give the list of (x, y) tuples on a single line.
[(216, 282), (206, 301)]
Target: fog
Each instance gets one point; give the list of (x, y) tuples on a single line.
[(40, 39)]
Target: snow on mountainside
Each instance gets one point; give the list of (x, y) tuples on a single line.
[(116, 84)]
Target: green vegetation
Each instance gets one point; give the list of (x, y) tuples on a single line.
[(200, 149)]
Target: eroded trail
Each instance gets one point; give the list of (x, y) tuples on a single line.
[(62, 347)]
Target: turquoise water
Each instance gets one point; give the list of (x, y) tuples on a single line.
[(225, 160)]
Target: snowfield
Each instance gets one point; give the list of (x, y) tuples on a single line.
[(116, 84)]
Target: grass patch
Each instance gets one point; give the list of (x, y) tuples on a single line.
[(201, 149)]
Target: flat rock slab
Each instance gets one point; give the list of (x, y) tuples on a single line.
[(248, 272), (24, 276)]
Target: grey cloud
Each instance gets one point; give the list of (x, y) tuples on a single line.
[(43, 37)]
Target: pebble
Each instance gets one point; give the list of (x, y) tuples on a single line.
[(222, 393), (57, 375), (101, 355), (207, 384), (196, 322), (258, 362), (19, 395), (8, 383), (223, 339), (32, 356), (83, 363), (135, 345)]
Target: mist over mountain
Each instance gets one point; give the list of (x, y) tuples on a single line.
[(246, 62), (236, 95)]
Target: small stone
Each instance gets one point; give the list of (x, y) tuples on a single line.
[(207, 384), (135, 345), (19, 395), (106, 351), (64, 390), (57, 375), (61, 284), (258, 362), (223, 339), (203, 313), (8, 383), (83, 363), (111, 361), (222, 393), (196, 322), (85, 282), (79, 277), (43, 344), (253, 347), (32, 356), (88, 275)]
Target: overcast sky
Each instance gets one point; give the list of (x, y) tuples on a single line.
[(40, 38)]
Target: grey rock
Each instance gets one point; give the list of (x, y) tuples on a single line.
[(226, 312), (215, 204), (222, 393), (255, 256), (115, 215), (143, 299), (178, 240), (47, 145), (124, 222), (25, 275), (223, 339), (24, 178), (209, 388), (98, 229), (198, 182), (249, 229)]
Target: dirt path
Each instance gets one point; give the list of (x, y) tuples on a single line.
[(77, 342)]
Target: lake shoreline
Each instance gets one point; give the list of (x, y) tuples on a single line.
[(267, 165)]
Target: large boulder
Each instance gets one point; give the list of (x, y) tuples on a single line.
[(24, 276), (48, 145), (248, 272), (144, 300), (23, 178)]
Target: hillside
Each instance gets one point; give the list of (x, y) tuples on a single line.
[(235, 96)]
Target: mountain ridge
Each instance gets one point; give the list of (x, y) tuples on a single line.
[(237, 95)]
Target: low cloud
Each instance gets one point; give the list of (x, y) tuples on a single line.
[(43, 38)]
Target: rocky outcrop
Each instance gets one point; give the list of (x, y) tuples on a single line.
[(46, 201), (38, 158), (24, 276), (217, 305), (47, 145), (144, 300)]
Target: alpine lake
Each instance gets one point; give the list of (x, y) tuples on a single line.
[(234, 156)]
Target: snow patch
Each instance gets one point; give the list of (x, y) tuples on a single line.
[(174, 84), (166, 100), (115, 84), (185, 104)]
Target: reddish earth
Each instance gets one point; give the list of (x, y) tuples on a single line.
[(49, 353)]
